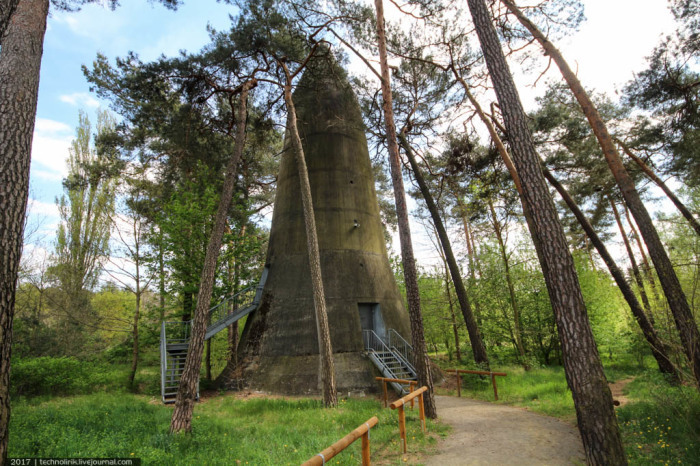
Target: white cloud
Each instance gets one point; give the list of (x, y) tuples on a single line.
[(50, 149), (41, 208), (44, 126), (80, 99)]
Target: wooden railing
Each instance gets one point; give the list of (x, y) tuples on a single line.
[(384, 380), (464, 371), (362, 431), (399, 404)]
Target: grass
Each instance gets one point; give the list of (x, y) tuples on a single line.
[(659, 425), (226, 430), (542, 390), (662, 423)]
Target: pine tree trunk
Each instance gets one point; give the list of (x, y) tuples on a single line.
[(633, 261), (652, 176), (658, 349), (584, 372), (20, 62), (7, 8), (137, 310), (646, 268), (325, 349), (422, 363), (501, 150), (477, 344), (161, 277), (187, 391), (682, 314), (135, 335)]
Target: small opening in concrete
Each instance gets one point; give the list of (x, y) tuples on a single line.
[(352, 182)]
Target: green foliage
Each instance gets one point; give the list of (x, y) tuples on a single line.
[(60, 376), (664, 425), (226, 430), (82, 240)]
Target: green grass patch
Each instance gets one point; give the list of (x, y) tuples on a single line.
[(226, 430), (542, 390), (662, 423)]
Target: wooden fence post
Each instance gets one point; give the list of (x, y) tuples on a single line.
[(421, 408), (402, 427), (365, 449)]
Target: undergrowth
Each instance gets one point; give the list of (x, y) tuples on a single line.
[(226, 430)]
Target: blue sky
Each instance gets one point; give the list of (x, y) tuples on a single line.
[(608, 48), (74, 39)]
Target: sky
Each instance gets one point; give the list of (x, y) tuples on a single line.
[(608, 48)]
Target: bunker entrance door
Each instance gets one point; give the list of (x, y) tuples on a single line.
[(371, 318)]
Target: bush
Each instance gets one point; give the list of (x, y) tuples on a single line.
[(64, 376), (48, 376)]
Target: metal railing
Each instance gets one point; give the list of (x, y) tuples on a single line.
[(373, 342), (176, 331), (403, 348), (230, 304), (374, 345), (220, 316)]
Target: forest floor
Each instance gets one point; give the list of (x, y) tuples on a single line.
[(618, 390), (489, 433)]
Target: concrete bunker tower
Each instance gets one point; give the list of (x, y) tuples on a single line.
[(279, 348)]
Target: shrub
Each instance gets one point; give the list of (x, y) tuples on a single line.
[(49, 376)]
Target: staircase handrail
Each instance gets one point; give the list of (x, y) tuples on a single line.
[(182, 327), (373, 345), (248, 296), (373, 342), (404, 348)]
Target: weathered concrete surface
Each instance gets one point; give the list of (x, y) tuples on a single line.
[(279, 347), (493, 434)]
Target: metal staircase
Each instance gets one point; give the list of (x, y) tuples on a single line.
[(175, 336), (393, 357)]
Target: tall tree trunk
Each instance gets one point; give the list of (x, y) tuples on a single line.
[(646, 268), (422, 363), (477, 344), (584, 372), (20, 62), (161, 277), (137, 310), (135, 333), (682, 314), (453, 318), (7, 8), (633, 261), (659, 182), (471, 254), (330, 396), (658, 349), (187, 391), (232, 331), (501, 149)]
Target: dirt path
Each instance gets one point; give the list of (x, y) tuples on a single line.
[(617, 389), (492, 434)]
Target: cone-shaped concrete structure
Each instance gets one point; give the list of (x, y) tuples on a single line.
[(279, 348)]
